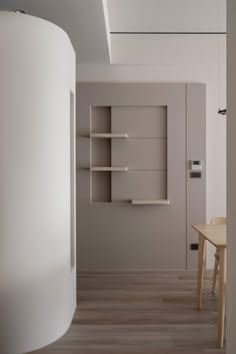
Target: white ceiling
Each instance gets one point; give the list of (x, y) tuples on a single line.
[(167, 15), (83, 20), (89, 22)]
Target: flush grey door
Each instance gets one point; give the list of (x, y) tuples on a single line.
[(133, 217)]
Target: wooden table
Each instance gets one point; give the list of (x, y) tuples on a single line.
[(216, 235)]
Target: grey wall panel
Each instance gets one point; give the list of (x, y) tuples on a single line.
[(139, 121), (139, 185), (140, 154), (119, 236), (126, 238), (196, 150)]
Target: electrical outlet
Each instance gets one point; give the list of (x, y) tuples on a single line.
[(194, 246)]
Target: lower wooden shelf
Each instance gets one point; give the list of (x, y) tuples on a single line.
[(150, 202)]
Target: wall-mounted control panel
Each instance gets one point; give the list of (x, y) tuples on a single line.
[(196, 169)]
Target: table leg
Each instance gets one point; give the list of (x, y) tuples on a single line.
[(221, 300), (201, 257)]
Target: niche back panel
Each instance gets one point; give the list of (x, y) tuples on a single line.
[(101, 187), (140, 121), (139, 185), (140, 153), (144, 152), (113, 234)]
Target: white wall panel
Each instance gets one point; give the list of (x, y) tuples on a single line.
[(38, 279), (168, 51)]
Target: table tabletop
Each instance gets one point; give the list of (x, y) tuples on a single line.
[(215, 234)]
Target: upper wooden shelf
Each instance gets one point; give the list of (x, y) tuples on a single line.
[(108, 135), (150, 202)]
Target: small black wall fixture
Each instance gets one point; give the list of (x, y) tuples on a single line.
[(222, 111)]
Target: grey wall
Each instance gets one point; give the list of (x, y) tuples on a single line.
[(117, 235)]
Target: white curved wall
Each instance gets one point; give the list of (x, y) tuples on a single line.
[(37, 280)]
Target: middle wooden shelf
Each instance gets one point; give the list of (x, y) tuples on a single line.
[(111, 169), (108, 135)]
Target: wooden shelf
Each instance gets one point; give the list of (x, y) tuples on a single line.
[(150, 202), (108, 135), (111, 169)]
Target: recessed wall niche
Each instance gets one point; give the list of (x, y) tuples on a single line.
[(134, 168)]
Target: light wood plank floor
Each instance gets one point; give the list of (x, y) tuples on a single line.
[(140, 313)]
